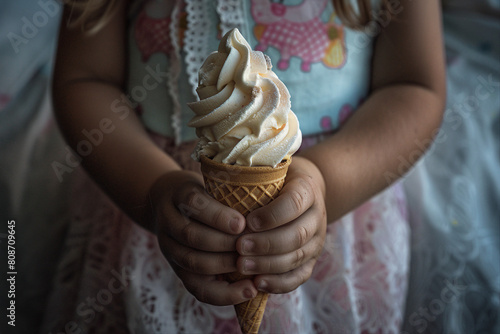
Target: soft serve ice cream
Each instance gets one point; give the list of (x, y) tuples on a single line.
[(243, 116)]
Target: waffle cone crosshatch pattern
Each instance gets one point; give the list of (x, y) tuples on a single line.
[(245, 189)]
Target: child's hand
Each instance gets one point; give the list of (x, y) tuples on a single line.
[(197, 236), (290, 232)]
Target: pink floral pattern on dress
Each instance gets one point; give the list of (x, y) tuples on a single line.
[(152, 31), (152, 35), (290, 37), (345, 112), (326, 123), (297, 31)]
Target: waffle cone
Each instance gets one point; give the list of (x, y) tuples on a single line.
[(244, 189)]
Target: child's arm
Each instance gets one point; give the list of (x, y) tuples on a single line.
[(404, 110), (402, 114), (89, 78), (87, 91)]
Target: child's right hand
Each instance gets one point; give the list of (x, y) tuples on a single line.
[(197, 236)]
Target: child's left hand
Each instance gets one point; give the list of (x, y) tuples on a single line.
[(289, 232)]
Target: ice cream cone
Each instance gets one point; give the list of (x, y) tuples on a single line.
[(244, 189)]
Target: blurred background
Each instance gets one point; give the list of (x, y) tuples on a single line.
[(454, 192)]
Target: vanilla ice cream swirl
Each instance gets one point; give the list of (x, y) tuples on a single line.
[(243, 116)]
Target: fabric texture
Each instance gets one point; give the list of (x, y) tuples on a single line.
[(454, 192)]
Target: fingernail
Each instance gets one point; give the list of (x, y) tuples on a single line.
[(256, 223), (234, 224), (248, 246), (249, 265), (247, 293), (262, 285)]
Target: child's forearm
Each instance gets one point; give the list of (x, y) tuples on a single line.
[(377, 145), (89, 77), (115, 149), (389, 131)]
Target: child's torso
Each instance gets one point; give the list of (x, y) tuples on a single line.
[(325, 66)]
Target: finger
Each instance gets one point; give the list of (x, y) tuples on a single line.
[(195, 261), (294, 199), (286, 282), (194, 234), (195, 203), (209, 289), (282, 239), (277, 264)]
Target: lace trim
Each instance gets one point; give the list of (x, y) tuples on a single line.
[(195, 40), (231, 14), (175, 70)]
